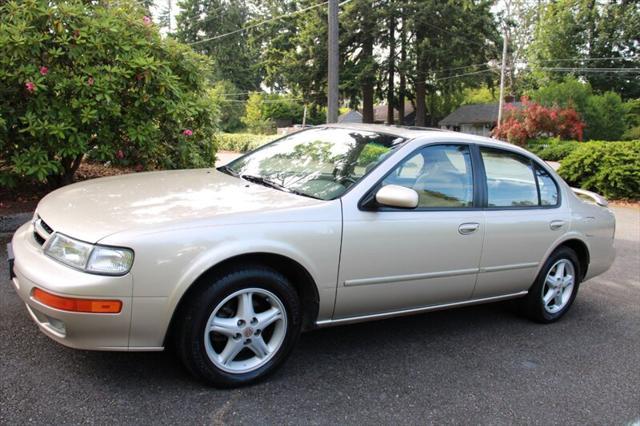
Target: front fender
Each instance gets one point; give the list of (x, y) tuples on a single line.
[(167, 264)]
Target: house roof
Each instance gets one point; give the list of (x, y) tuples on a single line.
[(474, 114), (380, 112), (350, 116)]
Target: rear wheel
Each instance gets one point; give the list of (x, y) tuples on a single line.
[(239, 328), (555, 288)]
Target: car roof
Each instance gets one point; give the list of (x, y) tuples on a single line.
[(407, 132), (427, 134)]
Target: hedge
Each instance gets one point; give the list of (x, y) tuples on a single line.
[(552, 149), (241, 142), (610, 169)]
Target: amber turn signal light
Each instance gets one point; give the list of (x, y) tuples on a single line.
[(77, 305)]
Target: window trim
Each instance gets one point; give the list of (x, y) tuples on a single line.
[(480, 189), (367, 201), (534, 164), (555, 183)]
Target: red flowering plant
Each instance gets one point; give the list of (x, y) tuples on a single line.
[(96, 80), (532, 120)]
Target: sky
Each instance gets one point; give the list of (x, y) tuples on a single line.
[(160, 5)]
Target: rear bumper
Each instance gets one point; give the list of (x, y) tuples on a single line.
[(32, 268)]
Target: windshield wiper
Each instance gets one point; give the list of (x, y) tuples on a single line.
[(228, 170), (271, 184)]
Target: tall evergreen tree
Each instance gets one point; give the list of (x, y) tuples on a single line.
[(215, 28)]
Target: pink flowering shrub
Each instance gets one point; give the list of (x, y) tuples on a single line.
[(533, 121), (96, 80)]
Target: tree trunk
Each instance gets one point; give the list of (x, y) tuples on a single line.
[(420, 83), (391, 64), (402, 89), (368, 80), (69, 166), (421, 108)]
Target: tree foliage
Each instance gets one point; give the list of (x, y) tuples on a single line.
[(254, 118), (77, 77), (584, 34), (230, 101), (234, 56)]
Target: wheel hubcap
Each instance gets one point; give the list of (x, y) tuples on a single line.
[(245, 330), (558, 286)]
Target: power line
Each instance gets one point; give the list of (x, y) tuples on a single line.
[(463, 75), (610, 58), (257, 24), (592, 70)]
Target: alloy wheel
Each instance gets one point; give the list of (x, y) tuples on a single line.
[(558, 286), (245, 330)]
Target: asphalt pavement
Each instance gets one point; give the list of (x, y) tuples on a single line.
[(477, 365)]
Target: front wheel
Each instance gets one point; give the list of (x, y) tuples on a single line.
[(240, 327), (555, 288)]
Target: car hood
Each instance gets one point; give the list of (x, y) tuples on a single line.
[(94, 209)]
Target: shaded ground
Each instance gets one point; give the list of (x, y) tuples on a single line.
[(474, 365)]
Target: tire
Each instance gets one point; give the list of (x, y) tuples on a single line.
[(231, 355), (535, 306)]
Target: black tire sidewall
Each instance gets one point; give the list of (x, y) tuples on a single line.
[(202, 303), (535, 304)]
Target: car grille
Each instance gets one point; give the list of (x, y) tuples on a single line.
[(41, 231)]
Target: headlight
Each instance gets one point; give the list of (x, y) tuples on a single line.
[(110, 260), (89, 257)]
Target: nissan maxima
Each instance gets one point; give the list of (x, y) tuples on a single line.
[(330, 225)]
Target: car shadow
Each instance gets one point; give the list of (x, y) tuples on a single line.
[(372, 344)]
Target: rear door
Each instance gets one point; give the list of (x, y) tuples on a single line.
[(524, 218)]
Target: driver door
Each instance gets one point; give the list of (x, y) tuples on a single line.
[(394, 259)]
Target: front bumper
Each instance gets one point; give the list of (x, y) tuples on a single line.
[(32, 268)]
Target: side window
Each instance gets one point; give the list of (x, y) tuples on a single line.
[(440, 174), (548, 188), (510, 179)]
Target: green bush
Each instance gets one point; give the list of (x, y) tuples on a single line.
[(631, 134), (279, 107), (240, 142), (611, 169), (605, 117), (79, 77), (552, 149)]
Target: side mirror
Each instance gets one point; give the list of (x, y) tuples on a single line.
[(397, 196)]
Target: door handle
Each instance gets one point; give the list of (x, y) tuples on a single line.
[(468, 228), (556, 224)]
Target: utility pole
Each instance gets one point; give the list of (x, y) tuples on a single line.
[(169, 12), (332, 78), (505, 38)]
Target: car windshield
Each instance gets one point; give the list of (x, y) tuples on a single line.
[(319, 163)]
